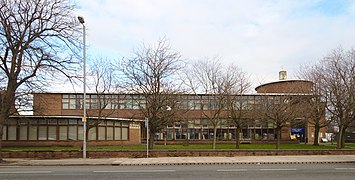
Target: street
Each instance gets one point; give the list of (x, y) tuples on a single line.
[(275, 171)]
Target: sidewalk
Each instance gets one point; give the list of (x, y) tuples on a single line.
[(184, 161)]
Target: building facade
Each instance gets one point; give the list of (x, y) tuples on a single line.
[(116, 119)]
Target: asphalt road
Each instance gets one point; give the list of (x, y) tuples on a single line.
[(205, 172)]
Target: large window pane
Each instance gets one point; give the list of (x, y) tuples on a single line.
[(117, 133), (80, 133), (109, 133), (92, 134), (102, 133), (23, 132), (73, 133), (11, 133), (52, 133), (63, 133), (124, 133), (32, 133), (42, 132)]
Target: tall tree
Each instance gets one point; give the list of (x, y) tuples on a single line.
[(152, 73), (236, 83), (103, 78), (281, 110), (337, 83), (207, 78), (314, 103), (37, 39)]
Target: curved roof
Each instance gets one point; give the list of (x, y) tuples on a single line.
[(283, 81)]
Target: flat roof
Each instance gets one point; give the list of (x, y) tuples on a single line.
[(75, 117)]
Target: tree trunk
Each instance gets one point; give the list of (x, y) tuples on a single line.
[(316, 135), (278, 137), (237, 138), (1, 134), (214, 137), (341, 136), (151, 140)]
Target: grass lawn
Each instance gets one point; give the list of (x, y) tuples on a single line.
[(187, 147)]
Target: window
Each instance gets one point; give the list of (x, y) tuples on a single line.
[(102, 133), (52, 133), (11, 132), (23, 132), (72, 101), (63, 133), (124, 133), (42, 132), (92, 134), (123, 101), (73, 133), (32, 133)]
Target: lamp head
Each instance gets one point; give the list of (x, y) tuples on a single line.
[(81, 19)]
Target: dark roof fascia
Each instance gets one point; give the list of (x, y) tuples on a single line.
[(74, 117)]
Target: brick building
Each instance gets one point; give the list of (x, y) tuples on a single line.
[(57, 119)]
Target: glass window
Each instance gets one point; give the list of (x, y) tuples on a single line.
[(73, 133), (63, 132), (109, 123), (102, 133), (32, 133), (124, 124), (94, 102), (80, 133), (52, 121), (124, 133), (11, 133), (62, 121), (23, 132), (109, 133), (92, 134), (123, 102), (73, 121), (42, 132), (117, 133), (52, 133)]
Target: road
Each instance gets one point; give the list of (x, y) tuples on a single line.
[(205, 172)]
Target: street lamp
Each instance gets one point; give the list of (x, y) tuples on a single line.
[(81, 20)]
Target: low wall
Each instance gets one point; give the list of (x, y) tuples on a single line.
[(167, 153)]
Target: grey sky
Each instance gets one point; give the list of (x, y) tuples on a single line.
[(260, 36)]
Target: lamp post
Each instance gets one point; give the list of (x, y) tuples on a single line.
[(81, 20), (147, 128)]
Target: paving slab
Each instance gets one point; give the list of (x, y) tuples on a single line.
[(308, 159)]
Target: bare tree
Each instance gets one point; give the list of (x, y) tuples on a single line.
[(152, 73), (281, 110), (236, 84), (37, 40), (336, 77), (104, 102), (207, 77), (314, 103)]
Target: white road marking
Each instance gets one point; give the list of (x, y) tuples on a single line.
[(278, 169), (136, 171), (26, 172), (344, 168), (231, 170)]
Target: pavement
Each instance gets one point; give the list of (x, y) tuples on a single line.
[(302, 159)]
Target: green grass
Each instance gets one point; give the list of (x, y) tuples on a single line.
[(186, 147)]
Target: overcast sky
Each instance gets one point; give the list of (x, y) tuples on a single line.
[(260, 36)]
